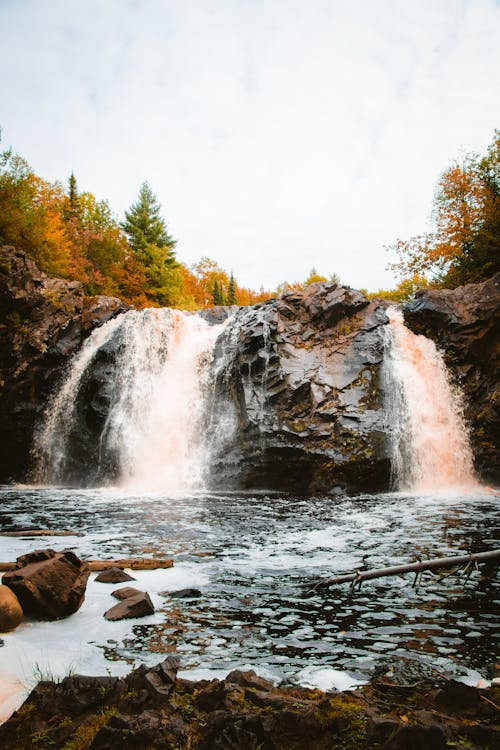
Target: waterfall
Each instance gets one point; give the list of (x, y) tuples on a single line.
[(152, 401), (429, 441)]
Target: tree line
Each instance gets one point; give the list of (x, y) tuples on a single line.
[(71, 234)]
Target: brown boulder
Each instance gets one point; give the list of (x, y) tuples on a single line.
[(139, 605), (49, 585), (11, 612), (125, 593), (114, 575)]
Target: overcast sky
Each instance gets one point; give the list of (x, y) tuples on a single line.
[(278, 135)]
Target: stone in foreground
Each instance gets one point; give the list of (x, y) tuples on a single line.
[(139, 605), (125, 593), (11, 612), (114, 575), (49, 585)]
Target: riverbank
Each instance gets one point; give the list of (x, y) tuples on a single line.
[(151, 708)]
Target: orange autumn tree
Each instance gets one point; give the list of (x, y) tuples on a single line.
[(31, 217), (75, 236), (465, 242)]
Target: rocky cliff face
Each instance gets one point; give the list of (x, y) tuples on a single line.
[(297, 403), (464, 323), (295, 393), (43, 322)]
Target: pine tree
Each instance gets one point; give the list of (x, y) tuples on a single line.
[(72, 192), (153, 247), (218, 294), (145, 227), (231, 291)]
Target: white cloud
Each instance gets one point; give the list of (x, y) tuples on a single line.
[(278, 135)]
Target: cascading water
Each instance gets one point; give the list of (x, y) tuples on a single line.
[(155, 398), (429, 440)]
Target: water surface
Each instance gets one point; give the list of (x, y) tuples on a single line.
[(256, 558)]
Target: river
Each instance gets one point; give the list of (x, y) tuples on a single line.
[(255, 557)]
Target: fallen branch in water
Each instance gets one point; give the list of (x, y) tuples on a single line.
[(134, 563), (441, 562)]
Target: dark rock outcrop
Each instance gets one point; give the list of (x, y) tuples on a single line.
[(152, 707), (297, 401), (49, 585), (464, 323), (43, 322)]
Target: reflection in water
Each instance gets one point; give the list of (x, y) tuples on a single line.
[(256, 558)]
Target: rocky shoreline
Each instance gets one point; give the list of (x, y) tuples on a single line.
[(402, 709)]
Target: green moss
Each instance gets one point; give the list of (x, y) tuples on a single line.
[(86, 732), (186, 705), (42, 738), (56, 299), (13, 319)]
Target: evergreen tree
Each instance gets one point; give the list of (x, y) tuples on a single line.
[(153, 247), (145, 227), (218, 294), (231, 291), (72, 192)]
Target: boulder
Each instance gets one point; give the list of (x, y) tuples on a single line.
[(114, 575), (464, 323), (139, 605), (125, 593), (49, 585), (11, 612), (297, 403)]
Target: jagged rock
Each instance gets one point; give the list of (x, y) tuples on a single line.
[(139, 605), (125, 592), (113, 575), (297, 385), (11, 612), (48, 584), (464, 323), (249, 679), (152, 707), (43, 322), (156, 681)]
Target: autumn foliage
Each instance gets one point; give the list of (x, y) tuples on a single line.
[(464, 245), (73, 235)]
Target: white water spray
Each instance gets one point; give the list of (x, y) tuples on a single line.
[(430, 444), (153, 422)]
